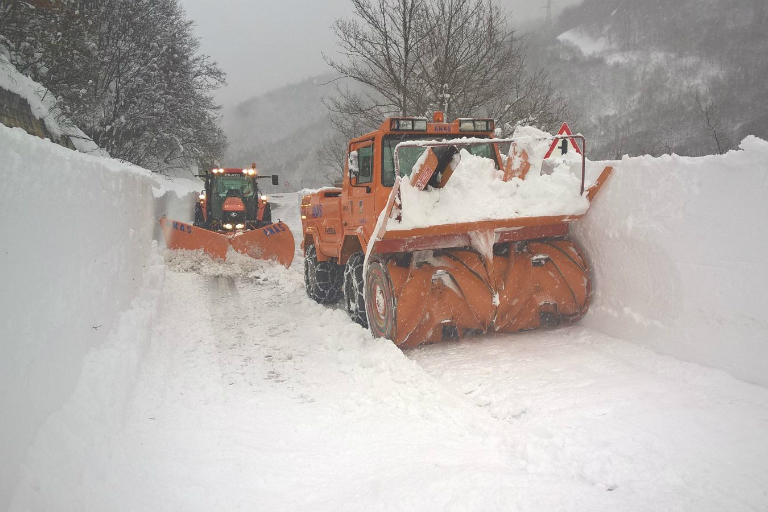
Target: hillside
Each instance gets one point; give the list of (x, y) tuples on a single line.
[(655, 78), (663, 76), (281, 131)]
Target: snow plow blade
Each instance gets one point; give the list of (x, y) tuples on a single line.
[(459, 291), (273, 242), (179, 235), (426, 285)]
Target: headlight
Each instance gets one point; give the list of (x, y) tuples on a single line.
[(264, 198), (202, 196), (239, 226), (227, 226)]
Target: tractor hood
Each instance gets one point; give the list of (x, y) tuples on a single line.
[(233, 204)]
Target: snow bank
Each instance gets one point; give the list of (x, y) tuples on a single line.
[(77, 232), (678, 252)]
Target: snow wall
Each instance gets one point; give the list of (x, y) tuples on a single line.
[(679, 255), (77, 239)]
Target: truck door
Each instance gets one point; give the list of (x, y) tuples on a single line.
[(359, 208)]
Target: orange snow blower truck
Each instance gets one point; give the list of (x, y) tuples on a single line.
[(447, 279), (233, 211)]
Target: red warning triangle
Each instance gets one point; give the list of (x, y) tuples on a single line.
[(564, 130)]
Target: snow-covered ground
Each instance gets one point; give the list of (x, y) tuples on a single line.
[(246, 395), (137, 379)]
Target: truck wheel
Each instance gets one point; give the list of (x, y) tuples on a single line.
[(380, 301), (322, 279), (354, 298)]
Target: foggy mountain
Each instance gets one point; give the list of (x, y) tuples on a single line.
[(281, 131), (661, 76), (665, 76)]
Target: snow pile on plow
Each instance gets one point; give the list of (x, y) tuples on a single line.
[(478, 191)]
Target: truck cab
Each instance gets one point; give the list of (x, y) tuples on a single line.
[(339, 221), (232, 200)]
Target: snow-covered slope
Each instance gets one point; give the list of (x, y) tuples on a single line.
[(283, 132), (43, 106), (77, 232), (678, 252)]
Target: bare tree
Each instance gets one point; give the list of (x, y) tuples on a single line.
[(471, 58), (414, 56), (380, 46), (712, 118)]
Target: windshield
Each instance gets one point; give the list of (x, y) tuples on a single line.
[(408, 156), (231, 185)]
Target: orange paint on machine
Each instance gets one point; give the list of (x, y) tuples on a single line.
[(232, 212), (445, 281)]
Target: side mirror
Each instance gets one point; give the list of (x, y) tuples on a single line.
[(275, 180)]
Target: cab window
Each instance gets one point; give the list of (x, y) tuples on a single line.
[(365, 164), (409, 155)]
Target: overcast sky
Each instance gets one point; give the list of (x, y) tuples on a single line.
[(265, 44)]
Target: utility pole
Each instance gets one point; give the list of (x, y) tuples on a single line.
[(549, 12)]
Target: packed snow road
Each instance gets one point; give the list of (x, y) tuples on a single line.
[(249, 396)]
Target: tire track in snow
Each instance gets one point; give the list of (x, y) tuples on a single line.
[(303, 374)]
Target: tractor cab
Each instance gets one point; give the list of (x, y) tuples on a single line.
[(232, 200)]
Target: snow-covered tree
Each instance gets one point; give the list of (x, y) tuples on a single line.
[(127, 72)]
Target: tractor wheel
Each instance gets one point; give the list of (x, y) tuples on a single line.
[(380, 302), (322, 279), (354, 298)]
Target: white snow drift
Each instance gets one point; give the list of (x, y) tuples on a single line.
[(679, 255), (77, 232)]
